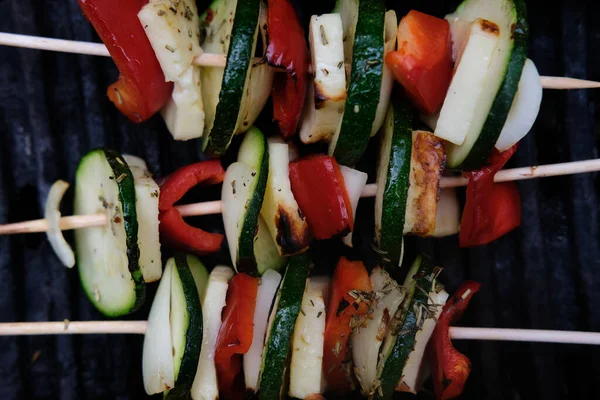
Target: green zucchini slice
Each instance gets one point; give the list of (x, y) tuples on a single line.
[(412, 374), (108, 255), (231, 27), (502, 78), (146, 198), (186, 325), (274, 371), (242, 193), (406, 323), (393, 172), (364, 27)]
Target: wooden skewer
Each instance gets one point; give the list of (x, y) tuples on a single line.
[(67, 327), (215, 207), (211, 60)]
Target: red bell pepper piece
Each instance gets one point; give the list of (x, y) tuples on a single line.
[(492, 209), (342, 309), (180, 235), (423, 62), (235, 335), (450, 368), (287, 49), (318, 186), (181, 181), (141, 89), (174, 231)]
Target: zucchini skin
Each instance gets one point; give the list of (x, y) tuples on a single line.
[(397, 182), (239, 58), (127, 191), (496, 118), (365, 83), (193, 340), (278, 348), (246, 258), (405, 340)]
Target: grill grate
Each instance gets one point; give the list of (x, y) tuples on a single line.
[(545, 275)]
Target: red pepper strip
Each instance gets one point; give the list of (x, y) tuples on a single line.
[(174, 231), (179, 182), (492, 209), (287, 49), (235, 335), (319, 189), (178, 234), (348, 276), (141, 89), (450, 369), (423, 62)]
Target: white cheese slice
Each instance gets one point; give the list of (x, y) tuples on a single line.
[(326, 95), (307, 345), (279, 202), (184, 112), (174, 33), (459, 115), (205, 385)]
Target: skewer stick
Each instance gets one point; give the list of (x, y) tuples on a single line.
[(215, 207), (139, 328), (212, 60), (558, 82)]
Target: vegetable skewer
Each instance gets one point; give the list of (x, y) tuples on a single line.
[(215, 207), (214, 60), (139, 328)]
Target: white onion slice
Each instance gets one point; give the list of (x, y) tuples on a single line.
[(269, 283), (524, 109), (355, 182), (158, 368), (52, 215), (293, 152), (368, 338)]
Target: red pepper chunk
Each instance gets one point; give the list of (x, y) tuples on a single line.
[(491, 209), (450, 368), (318, 186), (141, 89), (287, 49), (174, 231), (180, 235), (181, 181), (235, 335), (423, 62), (342, 308)]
